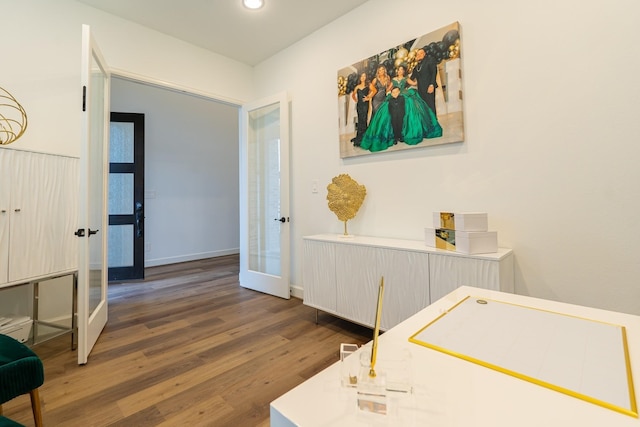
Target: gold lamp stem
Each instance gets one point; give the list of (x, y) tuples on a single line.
[(345, 229)]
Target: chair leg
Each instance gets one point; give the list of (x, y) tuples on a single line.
[(35, 407)]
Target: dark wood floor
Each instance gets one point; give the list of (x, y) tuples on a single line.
[(187, 347)]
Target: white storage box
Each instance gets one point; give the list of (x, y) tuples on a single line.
[(440, 238), (476, 242), (19, 328), (461, 221)]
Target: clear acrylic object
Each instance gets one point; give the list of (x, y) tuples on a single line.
[(372, 392), (349, 365), (397, 370)]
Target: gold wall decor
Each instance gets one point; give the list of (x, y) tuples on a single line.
[(345, 197), (13, 118)]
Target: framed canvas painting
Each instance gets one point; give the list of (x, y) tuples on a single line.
[(407, 96)]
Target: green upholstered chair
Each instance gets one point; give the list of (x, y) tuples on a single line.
[(21, 372), (6, 422)]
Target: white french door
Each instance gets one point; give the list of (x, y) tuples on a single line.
[(264, 196), (92, 212)]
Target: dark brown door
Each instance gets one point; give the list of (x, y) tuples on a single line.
[(126, 197)]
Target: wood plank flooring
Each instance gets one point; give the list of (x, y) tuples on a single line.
[(187, 347)]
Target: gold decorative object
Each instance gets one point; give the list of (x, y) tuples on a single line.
[(13, 118), (345, 197), (376, 331)]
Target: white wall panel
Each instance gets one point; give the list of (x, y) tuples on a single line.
[(357, 280), (319, 257), (406, 284), (449, 273)]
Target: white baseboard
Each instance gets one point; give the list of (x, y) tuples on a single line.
[(191, 257), (296, 292)]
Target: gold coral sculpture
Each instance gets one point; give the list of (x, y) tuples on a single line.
[(345, 197), (13, 118)]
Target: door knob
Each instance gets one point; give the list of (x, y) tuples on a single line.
[(80, 232), (283, 219)]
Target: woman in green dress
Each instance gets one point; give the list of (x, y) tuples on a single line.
[(419, 121)]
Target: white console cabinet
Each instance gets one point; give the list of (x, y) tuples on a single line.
[(38, 215), (341, 275)]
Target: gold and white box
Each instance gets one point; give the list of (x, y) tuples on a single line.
[(461, 221), (440, 238), (476, 242)]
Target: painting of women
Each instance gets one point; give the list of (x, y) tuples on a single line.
[(419, 121), (415, 89)]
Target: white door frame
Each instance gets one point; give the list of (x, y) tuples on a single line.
[(262, 280)]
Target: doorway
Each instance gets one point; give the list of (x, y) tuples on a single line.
[(191, 171), (126, 197)]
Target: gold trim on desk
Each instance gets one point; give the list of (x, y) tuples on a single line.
[(632, 411)]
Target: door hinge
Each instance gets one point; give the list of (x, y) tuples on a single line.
[(84, 98)]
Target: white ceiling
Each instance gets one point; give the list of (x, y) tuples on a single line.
[(228, 28)]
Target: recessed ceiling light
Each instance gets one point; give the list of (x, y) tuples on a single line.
[(253, 4)]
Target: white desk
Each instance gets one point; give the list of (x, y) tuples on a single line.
[(449, 391)]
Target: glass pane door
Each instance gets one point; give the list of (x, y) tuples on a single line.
[(126, 197), (264, 183), (264, 190), (121, 195), (96, 185)]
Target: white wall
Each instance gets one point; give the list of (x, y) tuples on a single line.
[(551, 149), (41, 66), (191, 172), (551, 134)]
